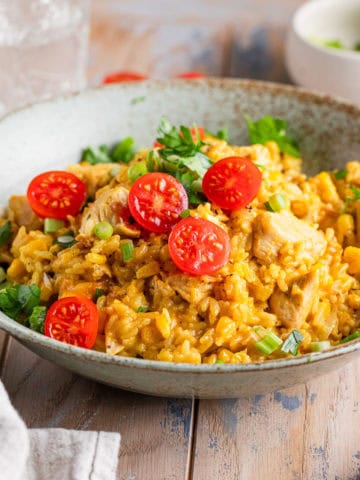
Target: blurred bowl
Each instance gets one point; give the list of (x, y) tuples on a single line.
[(311, 64)]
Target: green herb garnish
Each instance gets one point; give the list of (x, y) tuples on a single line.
[(353, 198), (19, 300), (136, 171), (122, 152), (37, 319), (66, 240), (272, 129), (142, 309), (99, 292), (341, 174), (95, 155), (292, 342), (5, 233)]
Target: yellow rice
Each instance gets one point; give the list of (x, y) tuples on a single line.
[(209, 318)]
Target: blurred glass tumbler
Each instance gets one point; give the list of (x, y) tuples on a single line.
[(43, 49)]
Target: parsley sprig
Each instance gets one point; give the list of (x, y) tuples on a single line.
[(180, 155), (269, 128)]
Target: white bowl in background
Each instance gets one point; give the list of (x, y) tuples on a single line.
[(329, 70)]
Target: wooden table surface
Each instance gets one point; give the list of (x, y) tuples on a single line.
[(308, 432)]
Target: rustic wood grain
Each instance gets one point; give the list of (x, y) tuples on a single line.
[(156, 432), (3, 343)]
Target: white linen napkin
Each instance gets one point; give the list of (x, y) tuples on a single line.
[(56, 453)]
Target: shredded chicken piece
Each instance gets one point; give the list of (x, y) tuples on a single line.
[(292, 308), (21, 213), (189, 288), (110, 206), (273, 230)]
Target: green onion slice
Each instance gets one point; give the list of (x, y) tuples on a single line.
[(127, 251), (350, 337), (103, 230), (99, 292), (269, 342), (136, 171), (320, 346), (66, 241), (276, 203), (291, 344), (142, 309), (52, 225)]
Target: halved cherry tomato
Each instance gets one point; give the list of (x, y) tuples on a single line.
[(191, 75), (118, 77), (73, 320), (56, 194), (231, 183), (156, 201), (198, 247)]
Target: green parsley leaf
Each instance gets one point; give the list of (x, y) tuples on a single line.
[(37, 319), (341, 174), (124, 151), (223, 134), (291, 344), (269, 128), (5, 233), (95, 155), (19, 299), (348, 199)]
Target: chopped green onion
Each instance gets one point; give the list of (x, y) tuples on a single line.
[(260, 167), (136, 171), (65, 240), (220, 361), (269, 343), (276, 203), (5, 233), (291, 344), (341, 174), (2, 275), (350, 337), (127, 251), (103, 230), (52, 225), (320, 346), (99, 292), (37, 319), (143, 309), (185, 213)]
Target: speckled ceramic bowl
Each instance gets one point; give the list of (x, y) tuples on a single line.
[(51, 135)]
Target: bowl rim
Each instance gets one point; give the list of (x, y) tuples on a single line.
[(26, 335), (342, 54)]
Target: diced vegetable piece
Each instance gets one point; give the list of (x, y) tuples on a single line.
[(291, 344), (103, 230), (276, 203), (52, 225), (320, 346), (350, 337), (66, 240), (269, 343), (127, 251)]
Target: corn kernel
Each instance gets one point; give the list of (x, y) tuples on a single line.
[(352, 257), (16, 269), (96, 258)]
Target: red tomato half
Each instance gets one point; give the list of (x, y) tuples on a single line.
[(73, 320), (191, 75), (231, 183), (118, 77), (156, 201), (198, 247), (56, 194)]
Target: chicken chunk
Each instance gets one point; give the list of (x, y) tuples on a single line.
[(189, 288), (292, 308), (110, 206), (20, 213), (273, 230)]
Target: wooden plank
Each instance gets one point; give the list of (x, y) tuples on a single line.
[(251, 437), (156, 432), (331, 434), (3, 343), (307, 432)]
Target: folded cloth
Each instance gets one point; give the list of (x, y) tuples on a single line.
[(53, 453)]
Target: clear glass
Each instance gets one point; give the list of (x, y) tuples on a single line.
[(43, 49)]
